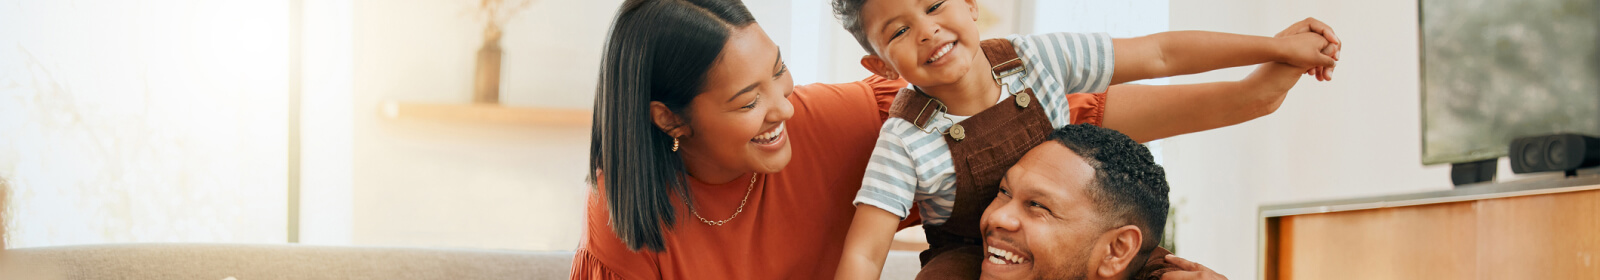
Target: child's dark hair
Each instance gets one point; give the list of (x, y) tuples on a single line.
[(849, 14), (658, 50), (1129, 187)]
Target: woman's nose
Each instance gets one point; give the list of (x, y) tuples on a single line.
[(781, 110)]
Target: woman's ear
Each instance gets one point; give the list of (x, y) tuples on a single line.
[(878, 66), (973, 6), (667, 121), (1123, 247)]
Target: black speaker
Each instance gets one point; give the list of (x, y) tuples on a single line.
[(1559, 152), (1474, 172)]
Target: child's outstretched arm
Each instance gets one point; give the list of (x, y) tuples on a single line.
[(866, 246), (1187, 52), (887, 194), (1146, 112)]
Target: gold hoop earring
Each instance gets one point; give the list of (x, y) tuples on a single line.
[(674, 144)]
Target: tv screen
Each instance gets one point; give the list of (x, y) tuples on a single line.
[(1495, 70)]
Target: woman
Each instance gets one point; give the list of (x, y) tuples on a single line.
[(710, 164)]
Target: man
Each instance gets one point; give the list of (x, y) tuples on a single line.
[(1088, 204)]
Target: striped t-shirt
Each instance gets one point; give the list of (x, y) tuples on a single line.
[(911, 165)]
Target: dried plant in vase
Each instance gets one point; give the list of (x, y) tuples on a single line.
[(494, 14)]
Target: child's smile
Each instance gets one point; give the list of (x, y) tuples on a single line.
[(939, 53), (930, 55)]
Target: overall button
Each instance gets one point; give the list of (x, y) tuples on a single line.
[(958, 132), (1022, 99)]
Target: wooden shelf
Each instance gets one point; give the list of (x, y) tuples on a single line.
[(486, 113)]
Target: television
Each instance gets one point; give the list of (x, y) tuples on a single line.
[(1496, 70)]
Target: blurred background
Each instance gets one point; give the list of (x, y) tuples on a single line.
[(464, 123)]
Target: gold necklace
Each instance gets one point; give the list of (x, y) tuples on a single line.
[(735, 211)]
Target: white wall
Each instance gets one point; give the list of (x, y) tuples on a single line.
[(815, 45), (326, 122), (461, 184), (148, 121), (1358, 135)]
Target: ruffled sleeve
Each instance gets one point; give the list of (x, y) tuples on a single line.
[(602, 255), (1087, 108), (883, 91), (586, 266), (873, 89)]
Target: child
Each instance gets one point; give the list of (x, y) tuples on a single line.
[(976, 107)]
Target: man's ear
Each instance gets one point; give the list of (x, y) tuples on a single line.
[(1123, 247), (878, 66), (667, 121)]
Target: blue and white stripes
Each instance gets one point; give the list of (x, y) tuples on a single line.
[(1064, 63)]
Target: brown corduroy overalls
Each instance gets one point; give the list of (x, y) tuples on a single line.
[(982, 148)]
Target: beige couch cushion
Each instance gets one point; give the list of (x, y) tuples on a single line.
[(251, 262)]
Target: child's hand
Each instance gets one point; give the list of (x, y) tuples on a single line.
[(1275, 77), (1312, 25), (1305, 50)]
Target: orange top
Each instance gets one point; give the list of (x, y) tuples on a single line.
[(794, 225)]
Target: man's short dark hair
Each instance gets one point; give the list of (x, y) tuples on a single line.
[(849, 14), (1129, 188)]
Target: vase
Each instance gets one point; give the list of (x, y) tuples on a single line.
[(486, 84)]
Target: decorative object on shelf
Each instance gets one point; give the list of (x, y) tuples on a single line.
[(486, 114), (495, 14)]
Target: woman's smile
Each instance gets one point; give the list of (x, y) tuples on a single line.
[(771, 140)]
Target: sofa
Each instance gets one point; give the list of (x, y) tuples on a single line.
[(251, 262)]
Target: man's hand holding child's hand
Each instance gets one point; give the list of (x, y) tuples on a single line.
[(1190, 271)]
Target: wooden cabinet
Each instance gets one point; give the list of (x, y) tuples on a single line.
[(1548, 229)]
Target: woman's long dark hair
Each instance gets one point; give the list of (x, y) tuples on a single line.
[(658, 50)]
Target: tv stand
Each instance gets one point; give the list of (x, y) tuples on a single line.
[(1538, 228)]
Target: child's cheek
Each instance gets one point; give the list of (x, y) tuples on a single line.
[(906, 55)]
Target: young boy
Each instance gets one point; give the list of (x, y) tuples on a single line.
[(976, 107)]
